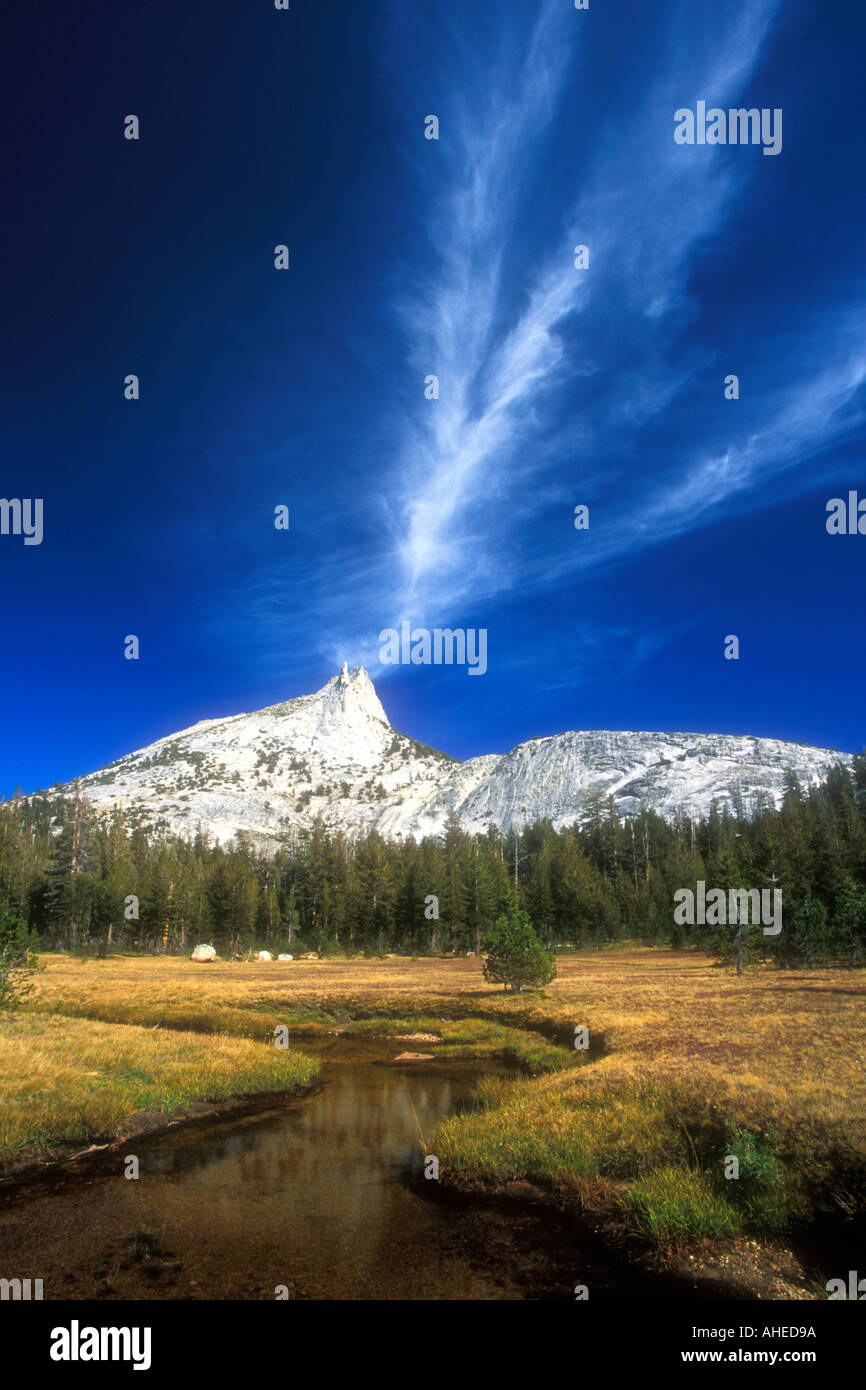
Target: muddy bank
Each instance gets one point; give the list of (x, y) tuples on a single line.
[(70, 1160), (737, 1269)]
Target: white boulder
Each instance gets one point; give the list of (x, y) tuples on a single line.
[(285, 958), (204, 953), (264, 955)]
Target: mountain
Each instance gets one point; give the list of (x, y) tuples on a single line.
[(335, 754)]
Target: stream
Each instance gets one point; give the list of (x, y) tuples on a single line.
[(324, 1195)]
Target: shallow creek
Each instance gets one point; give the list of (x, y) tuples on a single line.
[(324, 1194)]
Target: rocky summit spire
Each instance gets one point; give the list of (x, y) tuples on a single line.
[(351, 696)]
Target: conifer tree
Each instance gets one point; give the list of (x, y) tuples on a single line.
[(515, 956), (70, 885)]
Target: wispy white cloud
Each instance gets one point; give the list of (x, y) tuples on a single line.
[(459, 509), (445, 462), (815, 414), (643, 212)]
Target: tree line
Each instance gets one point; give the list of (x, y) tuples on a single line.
[(92, 882)]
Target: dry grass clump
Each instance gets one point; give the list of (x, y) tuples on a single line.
[(67, 1081), (697, 1065)]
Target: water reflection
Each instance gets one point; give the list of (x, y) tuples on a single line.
[(325, 1195)]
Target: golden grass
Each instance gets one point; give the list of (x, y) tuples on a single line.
[(689, 1050), (791, 1045), (680, 1049), (67, 1081)]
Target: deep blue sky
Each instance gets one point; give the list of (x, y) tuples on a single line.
[(409, 257)]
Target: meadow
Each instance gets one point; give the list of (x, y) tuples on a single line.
[(687, 1067)]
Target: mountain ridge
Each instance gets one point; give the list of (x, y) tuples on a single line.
[(334, 753)]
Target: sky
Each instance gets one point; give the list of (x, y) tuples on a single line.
[(601, 386)]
